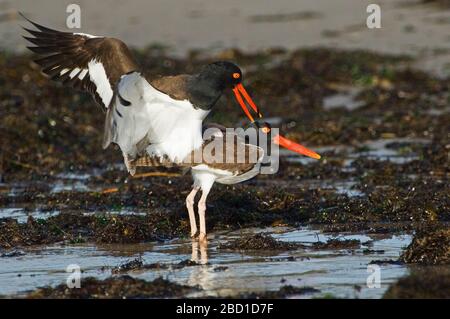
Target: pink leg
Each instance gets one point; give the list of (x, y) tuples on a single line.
[(190, 207), (201, 214)]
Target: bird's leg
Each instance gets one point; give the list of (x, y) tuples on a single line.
[(201, 214), (190, 207)]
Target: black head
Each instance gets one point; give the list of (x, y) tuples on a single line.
[(224, 74), (208, 85)]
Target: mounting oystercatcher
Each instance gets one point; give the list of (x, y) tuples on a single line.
[(156, 121)]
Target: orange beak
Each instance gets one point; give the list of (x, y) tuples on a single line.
[(238, 90), (292, 146), (279, 140)]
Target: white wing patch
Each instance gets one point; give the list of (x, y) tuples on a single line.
[(74, 72), (83, 74), (75, 59), (98, 75), (63, 71)]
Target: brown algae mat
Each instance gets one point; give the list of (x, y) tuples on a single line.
[(48, 130), (420, 284), (259, 241), (234, 207), (429, 247), (126, 287), (137, 264), (114, 288)]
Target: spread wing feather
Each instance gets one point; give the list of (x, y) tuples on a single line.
[(89, 63)]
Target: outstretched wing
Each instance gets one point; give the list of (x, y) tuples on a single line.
[(90, 63)]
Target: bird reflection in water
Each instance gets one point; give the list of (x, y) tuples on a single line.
[(202, 248), (203, 274)]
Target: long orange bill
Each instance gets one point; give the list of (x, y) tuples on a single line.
[(249, 100), (292, 146), (238, 90), (280, 140)]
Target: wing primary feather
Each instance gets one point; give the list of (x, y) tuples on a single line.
[(93, 64), (42, 28)]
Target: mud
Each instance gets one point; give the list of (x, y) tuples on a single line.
[(123, 287)]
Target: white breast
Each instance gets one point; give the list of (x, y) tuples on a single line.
[(176, 135), (172, 127)]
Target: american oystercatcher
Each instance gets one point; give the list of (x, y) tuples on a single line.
[(156, 121)]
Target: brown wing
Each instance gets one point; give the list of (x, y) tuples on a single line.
[(174, 86), (92, 64), (216, 154), (237, 163)]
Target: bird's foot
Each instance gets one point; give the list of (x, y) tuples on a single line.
[(202, 237)]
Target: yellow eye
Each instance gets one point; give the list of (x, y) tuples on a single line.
[(236, 75)]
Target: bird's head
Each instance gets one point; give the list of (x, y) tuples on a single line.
[(223, 74), (227, 75)]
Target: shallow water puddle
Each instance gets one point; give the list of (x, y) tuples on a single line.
[(75, 186), (71, 181), (379, 150), (342, 187), (346, 99), (126, 211), (74, 182), (54, 186), (222, 273), (22, 215)]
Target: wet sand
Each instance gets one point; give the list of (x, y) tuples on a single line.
[(408, 26)]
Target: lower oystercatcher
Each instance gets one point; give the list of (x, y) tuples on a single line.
[(156, 121)]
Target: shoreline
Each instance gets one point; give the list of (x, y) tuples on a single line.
[(407, 27)]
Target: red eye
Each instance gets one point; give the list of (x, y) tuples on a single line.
[(236, 75), (265, 129)]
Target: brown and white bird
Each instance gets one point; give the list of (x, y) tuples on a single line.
[(155, 121)]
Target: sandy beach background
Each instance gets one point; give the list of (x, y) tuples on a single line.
[(408, 26)]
